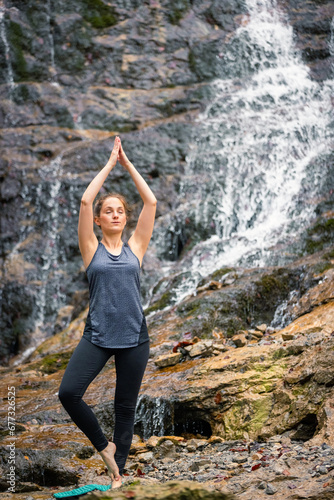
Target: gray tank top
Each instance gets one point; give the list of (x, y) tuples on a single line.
[(115, 318)]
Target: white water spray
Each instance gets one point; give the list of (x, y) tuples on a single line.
[(3, 35), (246, 172)]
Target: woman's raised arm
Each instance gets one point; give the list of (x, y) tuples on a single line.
[(87, 239), (141, 237)]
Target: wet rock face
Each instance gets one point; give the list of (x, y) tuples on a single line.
[(312, 26)]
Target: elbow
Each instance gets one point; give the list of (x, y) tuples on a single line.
[(152, 202), (85, 202)]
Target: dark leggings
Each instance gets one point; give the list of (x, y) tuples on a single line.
[(86, 362)]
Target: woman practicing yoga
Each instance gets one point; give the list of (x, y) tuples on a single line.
[(116, 323)]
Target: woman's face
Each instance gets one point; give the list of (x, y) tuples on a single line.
[(112, 216)]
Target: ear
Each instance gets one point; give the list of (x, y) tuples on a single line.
[(97, 221)]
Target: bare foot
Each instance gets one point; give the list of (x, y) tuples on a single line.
[(116, 483), (108, 455)]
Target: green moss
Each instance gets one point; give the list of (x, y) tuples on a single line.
[(15, 38), (247, 415), (52, 363), (192, 61), (280, 353), (176, 10), (98, 14), (322, 267), (163, 302), (264, 387), (260, 367), (189, 308), (217, 275), (320, 235), (233, 326), (329, 255)]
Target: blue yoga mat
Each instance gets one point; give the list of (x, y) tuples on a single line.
[(82, 490)]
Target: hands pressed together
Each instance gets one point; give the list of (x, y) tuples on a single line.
[(118, 154)]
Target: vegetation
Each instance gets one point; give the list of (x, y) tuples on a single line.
[(52, 363), (320, 235), (176, 10), (98, 14), (15, 38), (161, 303)]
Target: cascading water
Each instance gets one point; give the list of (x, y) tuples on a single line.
[(9, 72), (47, 206), (154, 417), (51, 41), (250, 175)]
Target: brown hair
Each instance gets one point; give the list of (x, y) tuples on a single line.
[(103, 198)]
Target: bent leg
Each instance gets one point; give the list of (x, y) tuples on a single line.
[(85, 364), (130, 367)]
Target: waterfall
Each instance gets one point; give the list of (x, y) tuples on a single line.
[(51, 41), (251, 172), (154, 417), (50, 258), (9, 73), (43, 202)]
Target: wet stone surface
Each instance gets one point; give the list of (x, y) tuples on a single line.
[(252, 470)]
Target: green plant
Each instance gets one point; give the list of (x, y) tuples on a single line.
[(98, 14)]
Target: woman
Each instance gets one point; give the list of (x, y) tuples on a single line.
[(115, 324)]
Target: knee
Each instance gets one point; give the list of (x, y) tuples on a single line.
[(125, 409), (66, 395)]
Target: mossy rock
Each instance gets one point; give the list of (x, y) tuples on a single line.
[(320, 235), (52, 362), (185, 490), (247, 415), (163, 302), (24, 93), (176, 10), (16, 41), (98, 14), (259, 302)]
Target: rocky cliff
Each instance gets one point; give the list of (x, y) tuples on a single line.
[(74, 75), (226, 109)]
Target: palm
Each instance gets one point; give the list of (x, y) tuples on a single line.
[(122, 158)]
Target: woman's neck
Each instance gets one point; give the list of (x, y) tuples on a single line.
[(112, 242)]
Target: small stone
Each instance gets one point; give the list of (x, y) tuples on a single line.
[(152, 441), (212, 285), (322, 470), (255, 334), (262, 328), (194, 467), (286, 442), (215, 439), (262, 486), (203, 348), (198, 443), (145, 457), (239, 340), (287, 336), (168, 359), (174, 439), (270, 490)]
